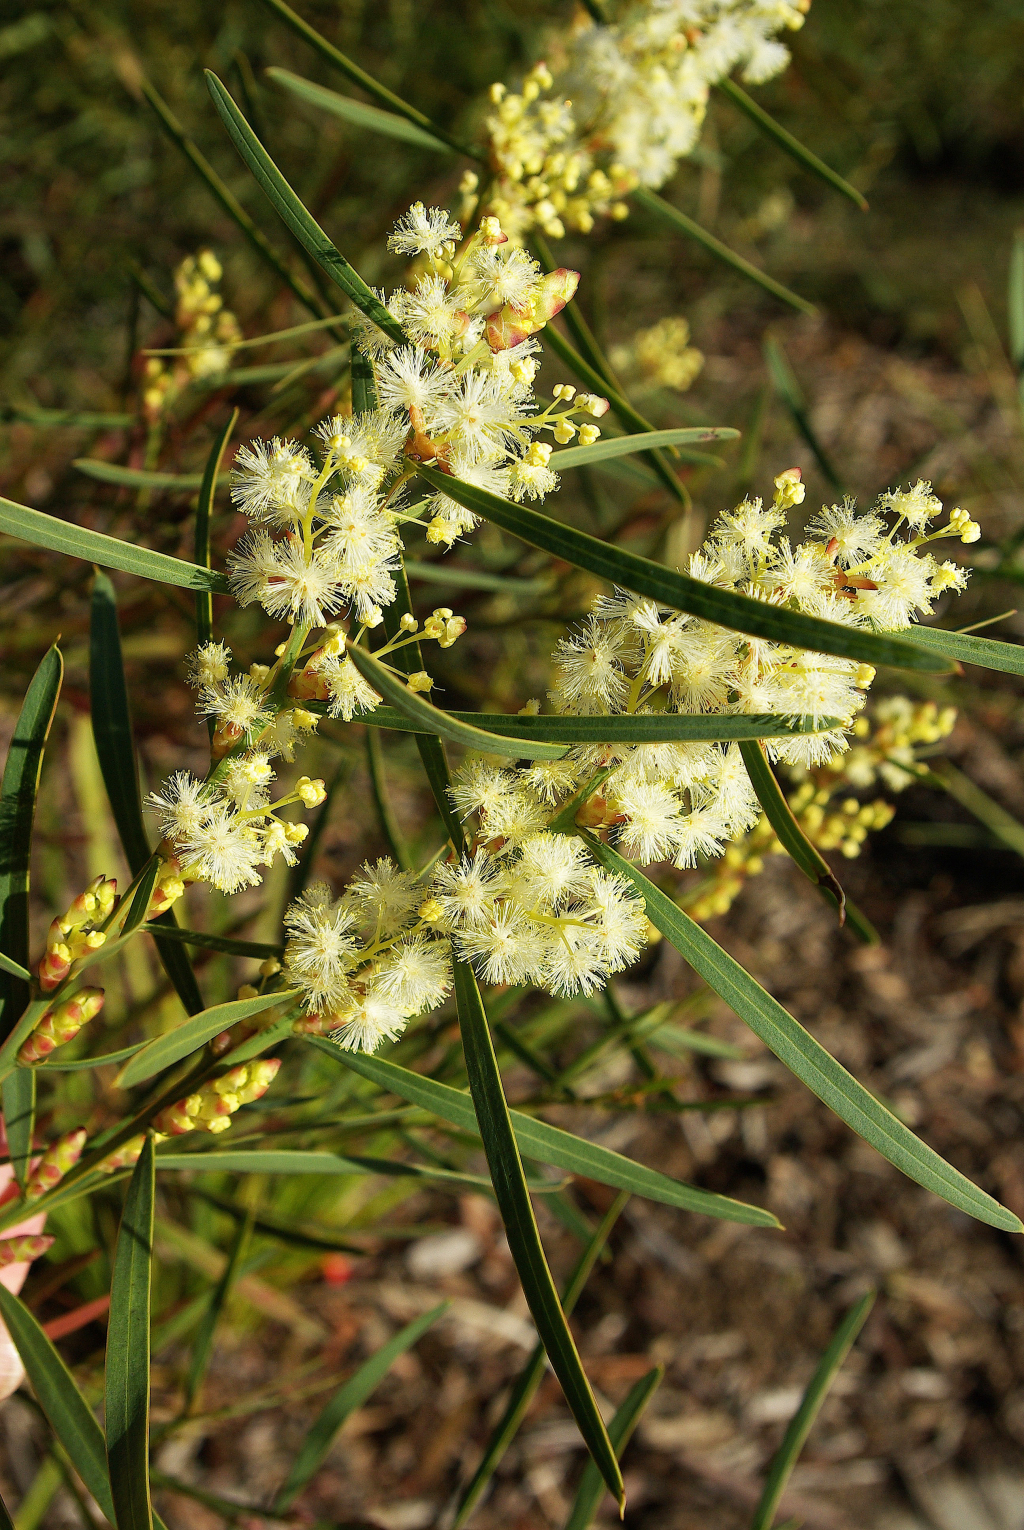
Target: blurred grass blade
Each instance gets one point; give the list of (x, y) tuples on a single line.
[(790, 835), (18, 790), (66, 419), (963, 648), (164, 1051), (140, 898), (614, 727), (295, 216), (784, 381), (109, 552), (357, 112), (285, 1229), (126, 1410), (679, 591), (261, 1161), (1015, 310), (620, 1430), (620, 446), (987, 811), (201, 546), (549, 1144), (393, 835), (101, 1060), (430, 747), (141, 478), (684, 225), (510, 1188), (230, 203), (115, 749), (803, 1419), (67, 1411), (351, 1395), (791, 145), (364, 388), (804, 1056), (532, 1374), (366, 81), (257, 950), (202, 1344), (433, 720), (475, 579)]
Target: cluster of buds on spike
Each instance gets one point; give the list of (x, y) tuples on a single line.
[(59, 1157), (443, 626), (61, 1025), (23, 1250), (210, 1109), (168, 888), (77, 932), (124, 1157), (512, 324)]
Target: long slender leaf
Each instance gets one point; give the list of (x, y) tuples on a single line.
[(680, 591), (987, 811), (445, 572), (230, 203), (14, 969), (257, 950), (548, 1144), (684, 225), (620, 1430), (510, 1187), (964, 648), (126, 1410), (204, 510), (294, 215), (266, 1161), (530, 1377), (784, 380), (357, 112), (164, 1051), (285, 1229), (66, 419), (803, 1419), (366, 81), (115, 748), (389, 824), (142, 478), (351, 1395), (431, 719), (611, 727), (67, 1411), (103, 1060), (792, 838), (620, 446), (1015, 311), (202, 1344), (19, 1106), (804, 1056), (140, 898), (791, 145), (109, 552)]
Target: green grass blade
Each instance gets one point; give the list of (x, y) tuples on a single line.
[(620, 1430), (67, 1411), (295, 216), (201, 546), (430, 747), (651, 202), (389, 824), (803, 1419), (18, 789), (548, 1144), (513, 1195), (19, 1106), (530, 1377), (202, 1344), (964, 648), (620, 446), (142, 478), (257, 950), (671, 588), (475, 579), (109, 552), (790, 835), (126, 1410), (804, 1056), (351, 1395), (366, 82), (230, 203), (357, 112), (613, 727), (432, 719), (792, 146), (785, 383), (1015, 308), (969, 795), (115, 748), (164, 1051)]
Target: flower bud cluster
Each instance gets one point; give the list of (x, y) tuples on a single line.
[(60, 1025), (885, 743), (620, 104), (661, 356), (211, 1107), (77, 932), (207, 331), (23, 1249), (59, 1157)]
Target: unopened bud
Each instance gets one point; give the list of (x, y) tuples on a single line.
[(124, 1157), (430, 911), (420, 681), (23, 1250), (310, 793), (59, 1157), (60, 1025)]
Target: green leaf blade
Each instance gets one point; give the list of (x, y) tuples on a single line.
[(620, 446), (788, 831), (790, 145), (620, 1430), (617, 728), (166, 1050), (127, 1372), (965, 648), (372, 118), (204, 511)]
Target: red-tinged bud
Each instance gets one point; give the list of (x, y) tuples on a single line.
[(23, 1250), (59, 1157), (54, 967), (175, 1120), (306, 684), (261, 1076), (509, 326), (124, 1157), (61, 1024), (315, 1025), (225, 736), (557, 289)]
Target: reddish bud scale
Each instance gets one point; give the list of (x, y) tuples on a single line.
[(20, 1250), (124, 1157), (59, 1157), (61, 1024)]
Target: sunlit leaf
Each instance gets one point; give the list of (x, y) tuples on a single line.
[(620, 446), (164, 1051), (609, 728), (357, 112), (142, 478), (965, 648)]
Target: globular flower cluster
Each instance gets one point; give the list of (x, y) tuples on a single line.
[(661, 356), (885, 745), (617, 106), (685, 801), (366, 962), (207, 331)]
